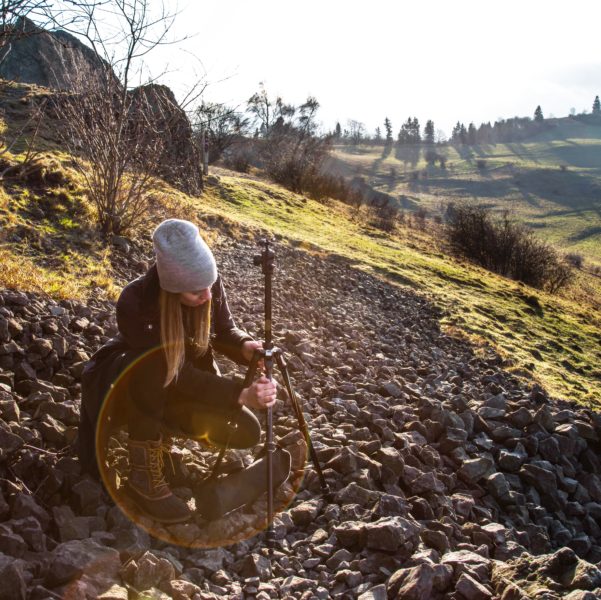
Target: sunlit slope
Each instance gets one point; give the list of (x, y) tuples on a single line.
[(550, 339), (552, 182)]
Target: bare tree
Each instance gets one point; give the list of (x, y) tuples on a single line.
[(267, 112), (290, 150), (356, 131), (123, 137), (223, 125)]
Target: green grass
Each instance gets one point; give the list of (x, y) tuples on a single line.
[(554, 340)]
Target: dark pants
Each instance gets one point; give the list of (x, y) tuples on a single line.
[(155, 409)]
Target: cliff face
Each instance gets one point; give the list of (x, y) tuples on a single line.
[(59, 61), (47, 58), (181, 163)]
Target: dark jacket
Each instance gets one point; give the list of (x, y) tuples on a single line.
[(138, 320)]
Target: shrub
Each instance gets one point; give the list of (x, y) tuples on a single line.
[(419, 218), (505, 247), (384, 217), (575, 259), (238, 159)]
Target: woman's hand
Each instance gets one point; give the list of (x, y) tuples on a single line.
[(260, 394), (248, 349)]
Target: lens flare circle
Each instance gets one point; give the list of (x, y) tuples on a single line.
[(112, 458)]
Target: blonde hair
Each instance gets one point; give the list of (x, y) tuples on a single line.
[(173, 335)]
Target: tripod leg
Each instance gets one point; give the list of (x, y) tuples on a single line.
[(270, 447), (302, 423), (252, 368)]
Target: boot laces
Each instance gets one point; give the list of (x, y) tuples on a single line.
[(156, 466)]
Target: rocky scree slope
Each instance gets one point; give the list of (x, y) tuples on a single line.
[(450, 479)]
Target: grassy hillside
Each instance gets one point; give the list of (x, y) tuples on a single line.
[(551, 339), (48, 243), (552, 182)]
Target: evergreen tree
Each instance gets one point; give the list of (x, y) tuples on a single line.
[(455, 133), (596, 106), (538, 114), (416, 137), (429, 132), (388, 128), (405, 132), (338, 131), (378, 136), (471, 134)]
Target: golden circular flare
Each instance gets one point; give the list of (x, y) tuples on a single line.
[(112, 460)]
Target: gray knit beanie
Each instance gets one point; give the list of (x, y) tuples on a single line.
[(184, 262)]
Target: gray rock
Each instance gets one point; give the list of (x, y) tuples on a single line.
[(294, 584), (151, 571), (52, 430), (355, 494), (377, 592), (414, 583), (435, 539), (70, 560), (212, 560), (521, 417), (115, 592), (512, 460), (256, 565), (14, 586), (391, 389), (350, 534), (12, 544), (391, 533), (544, 480), (498, 487), (24, 505), (466, 561), (470, 589), (475, 469), (306, 512)]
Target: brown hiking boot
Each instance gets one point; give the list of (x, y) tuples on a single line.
[(147, 485)]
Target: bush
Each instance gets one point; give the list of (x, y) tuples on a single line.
[(481, 164), (384, 217), (419, 218), (575, 259), (237, 159), (505, 247)]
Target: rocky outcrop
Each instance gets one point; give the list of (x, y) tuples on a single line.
[(60, 62), (450, 478), (156, 107), (47, 58)]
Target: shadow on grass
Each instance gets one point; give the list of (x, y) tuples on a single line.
[(585, 234), (397, 277)]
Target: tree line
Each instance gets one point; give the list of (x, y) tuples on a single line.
[(501, 131)]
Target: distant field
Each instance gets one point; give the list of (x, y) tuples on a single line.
[(553, 183)]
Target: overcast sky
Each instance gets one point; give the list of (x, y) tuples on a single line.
[(365, 60)]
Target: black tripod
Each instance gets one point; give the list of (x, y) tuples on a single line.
[(269, 353)]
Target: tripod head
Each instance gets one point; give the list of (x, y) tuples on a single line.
[(266, 258)]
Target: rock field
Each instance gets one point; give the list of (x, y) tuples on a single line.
[(450, 478)]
